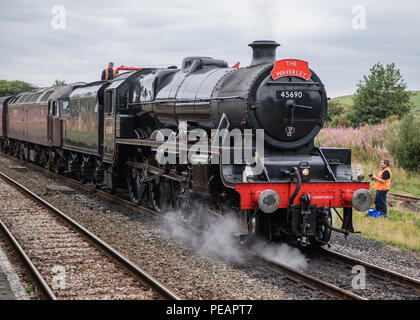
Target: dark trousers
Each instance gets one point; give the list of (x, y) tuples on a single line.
[(380, 201)]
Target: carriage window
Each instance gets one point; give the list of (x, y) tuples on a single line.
[(65, 105), (55, 109)]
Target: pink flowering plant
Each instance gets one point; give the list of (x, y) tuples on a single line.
[(367, 142)]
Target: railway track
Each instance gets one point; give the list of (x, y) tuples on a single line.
[(83, 186), (403, 197), (376, 273), (307, 280), (298, 277), (377, 283), (304, 279), (68, 261), (334, 277)]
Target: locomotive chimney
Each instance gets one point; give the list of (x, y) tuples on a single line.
[(263, 51)]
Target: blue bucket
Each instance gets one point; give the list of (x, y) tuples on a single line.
[(374, 213)]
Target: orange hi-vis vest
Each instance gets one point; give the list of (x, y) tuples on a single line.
[(387, 184), (107, 73)]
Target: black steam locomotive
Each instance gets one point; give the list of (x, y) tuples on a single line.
[(202, 140)]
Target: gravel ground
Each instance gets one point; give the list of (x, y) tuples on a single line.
[(379, 253), (191, 267), (27, 279)]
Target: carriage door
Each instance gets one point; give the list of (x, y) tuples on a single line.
[(49, 121), (54, 124), (109, 124)]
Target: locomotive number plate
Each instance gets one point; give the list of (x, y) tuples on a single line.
[(289, 94)]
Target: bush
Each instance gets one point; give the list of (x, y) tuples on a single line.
[(404, 142)]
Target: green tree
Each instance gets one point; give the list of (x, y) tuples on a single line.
[(404, 142), (337, 114), (59, 83), (14, 87), (334, 109), (379, 95)]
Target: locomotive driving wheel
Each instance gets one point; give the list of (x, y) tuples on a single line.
[(159, 189), (98, 174), (49, 164), (74, 166), (159, 195), (136, 187), (185, 212), (87, 169)]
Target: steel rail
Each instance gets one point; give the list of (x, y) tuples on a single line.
[(375, 270), (162, 289), (28, 261), (404, 197), (323, 286)]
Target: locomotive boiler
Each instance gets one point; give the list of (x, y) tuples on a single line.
[(273, 181), (291, 110)]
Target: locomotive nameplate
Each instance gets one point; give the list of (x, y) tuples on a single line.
[(291, 67)]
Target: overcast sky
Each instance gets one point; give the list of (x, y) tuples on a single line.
[(161, 33)]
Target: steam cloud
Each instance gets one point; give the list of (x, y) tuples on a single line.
[(218, 241), (283, 253)]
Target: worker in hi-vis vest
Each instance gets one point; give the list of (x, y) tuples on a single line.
[(108, 73), (382, 185)]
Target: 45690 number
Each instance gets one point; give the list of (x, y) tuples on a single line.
[(289, 94)]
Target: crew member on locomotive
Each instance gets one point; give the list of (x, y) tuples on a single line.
[(108, 73), (382, 185)]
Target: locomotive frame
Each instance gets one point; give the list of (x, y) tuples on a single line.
[(109, 134)]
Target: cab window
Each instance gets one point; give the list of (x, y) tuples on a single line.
[(108, 106)]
